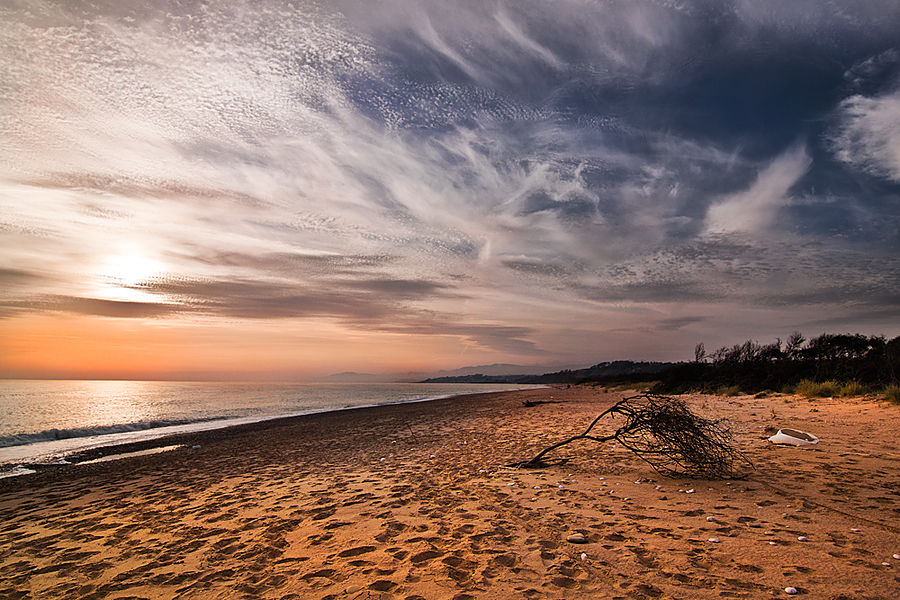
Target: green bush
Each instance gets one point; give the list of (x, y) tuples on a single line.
[(817, 389), (891, 393), (853, 388)]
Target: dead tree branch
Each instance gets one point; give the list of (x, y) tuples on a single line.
[(663, 432)]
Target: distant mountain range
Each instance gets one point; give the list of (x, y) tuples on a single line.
[(492, 370), (598, 372)]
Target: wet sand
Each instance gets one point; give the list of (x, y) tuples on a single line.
[(415, 501)]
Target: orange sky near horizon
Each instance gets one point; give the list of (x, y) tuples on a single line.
[(91, 347)]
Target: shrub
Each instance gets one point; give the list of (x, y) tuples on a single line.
[(728, 390), (891, 393), (853, 388), (815, 389)]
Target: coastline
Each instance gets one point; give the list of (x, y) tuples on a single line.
[(46, 449), (413, 501), (212, 433)]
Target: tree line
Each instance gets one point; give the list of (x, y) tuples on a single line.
[(872, 361)]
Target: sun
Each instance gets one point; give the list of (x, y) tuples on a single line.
[(120, 276), (129, 270)]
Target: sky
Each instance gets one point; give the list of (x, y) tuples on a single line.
[(283, 190)]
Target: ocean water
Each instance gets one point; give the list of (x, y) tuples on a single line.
[(43, 421)]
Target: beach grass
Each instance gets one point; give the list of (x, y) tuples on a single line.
[(845, 389), (891, 393), (852, 389), (728, 390), (817, 389)]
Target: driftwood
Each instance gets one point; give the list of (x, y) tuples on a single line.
[(662, 431)]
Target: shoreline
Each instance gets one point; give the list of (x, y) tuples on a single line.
[(185, 441), (415, 501), (119, 442)]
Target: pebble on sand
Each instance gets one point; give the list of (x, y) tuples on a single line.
[(790, 590), (802, 538), (714, 540), (711, 519), (576, 538), (897, 557)]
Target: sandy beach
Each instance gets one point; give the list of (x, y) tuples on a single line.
[(416, 501)]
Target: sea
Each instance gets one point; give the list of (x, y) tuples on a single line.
[(43, 422)]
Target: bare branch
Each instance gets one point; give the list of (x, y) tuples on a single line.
[(663, 432)]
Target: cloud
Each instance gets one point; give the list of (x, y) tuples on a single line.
[(756, 208), (350, 299), (504, 338), (495, 171), (11, 278), (92, 306), (868, 134), (676, 323)]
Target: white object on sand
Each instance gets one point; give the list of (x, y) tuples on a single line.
[(790, 590), (794, 437)]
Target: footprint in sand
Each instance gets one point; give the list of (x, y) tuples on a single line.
[(382, 585), (425, 556), (505, 560), (356, 551)]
